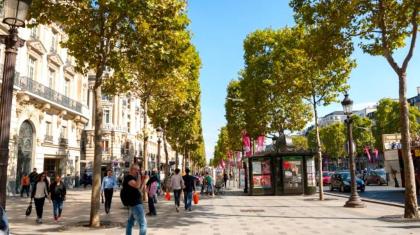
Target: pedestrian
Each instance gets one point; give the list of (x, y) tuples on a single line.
[(189, 189), (225, 179), (47, 179), (394, 176), (152, 186), (209, 182), (4, 224), (58, 196), (109, 184), (133, 185), (177, 184), (32, 178), (85, 178), (39, 193), (24, 183)]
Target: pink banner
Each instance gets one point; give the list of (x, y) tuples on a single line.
[(260, 143), (246, 140), (376, 153), (367, 152)]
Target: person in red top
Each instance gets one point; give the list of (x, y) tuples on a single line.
[(24, 182)]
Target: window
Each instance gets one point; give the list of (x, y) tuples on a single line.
[(54, 41), (34, 32), (48, 129), (51, 78), (63, 132), (105, 146), (67, 87), (31, 68), (106, 116)]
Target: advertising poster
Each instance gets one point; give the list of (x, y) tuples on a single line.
[(266, 167), (241, 177), (265, 181), (256, 167), (256, 180)]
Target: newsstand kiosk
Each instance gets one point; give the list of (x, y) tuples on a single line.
[(274, 173)]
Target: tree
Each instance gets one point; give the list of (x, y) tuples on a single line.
[(362, 133), (96, 31), (300, 142), (234, 114), (333, 137), (380, 28), (266, 85), (387, 119)]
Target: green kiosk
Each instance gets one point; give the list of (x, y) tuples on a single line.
[(276, 173)]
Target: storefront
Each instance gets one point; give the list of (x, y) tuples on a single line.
[(281, 173)]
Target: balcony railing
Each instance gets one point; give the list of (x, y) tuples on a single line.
[(49, 138), (64, 141), (37, 88)]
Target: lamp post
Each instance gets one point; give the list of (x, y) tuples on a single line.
[(15, 16), (354, 200), (159, 132)]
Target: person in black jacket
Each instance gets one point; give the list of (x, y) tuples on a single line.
[(58, 195), (189, 182)]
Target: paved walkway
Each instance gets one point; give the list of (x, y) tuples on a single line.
[(231, 213)]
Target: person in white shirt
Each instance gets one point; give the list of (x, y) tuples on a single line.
[(177, 184), (40, 192)]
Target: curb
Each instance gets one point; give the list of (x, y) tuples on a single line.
[(370, 200)]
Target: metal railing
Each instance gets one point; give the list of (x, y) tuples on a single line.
[(63, 141), (27, 84)]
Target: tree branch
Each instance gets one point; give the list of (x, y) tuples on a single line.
[(385, 45), (413, 39)]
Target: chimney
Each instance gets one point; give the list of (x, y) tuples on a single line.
[(418, 90)]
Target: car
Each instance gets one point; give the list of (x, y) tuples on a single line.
[(377, 177), (342, 182), (326, 177)]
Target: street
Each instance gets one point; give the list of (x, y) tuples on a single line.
[(380, 193), (232, 213)]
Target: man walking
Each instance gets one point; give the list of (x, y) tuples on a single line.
[(109, 184), (189, 182), (133, 185), (32, 178), (152, 186), (25, 182)]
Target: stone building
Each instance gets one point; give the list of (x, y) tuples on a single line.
[(49, 110)]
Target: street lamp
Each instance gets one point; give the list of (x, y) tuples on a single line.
[(159, 133), (354, 200), (15, 16)]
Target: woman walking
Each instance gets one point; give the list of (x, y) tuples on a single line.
[(177, 184), (39, 194), (58, 196)]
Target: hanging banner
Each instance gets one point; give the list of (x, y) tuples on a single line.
[(246, 141), (367, 152), (376, 154), (260, 143)]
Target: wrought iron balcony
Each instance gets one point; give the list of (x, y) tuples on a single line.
[(43, 91), (64, 141)]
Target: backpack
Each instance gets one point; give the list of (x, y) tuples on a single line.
[(124, 193)]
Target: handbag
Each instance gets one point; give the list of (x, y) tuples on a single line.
[(168, 196), (196, 198), (29, 209)]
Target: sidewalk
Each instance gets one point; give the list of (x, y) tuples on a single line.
[(231, 213)]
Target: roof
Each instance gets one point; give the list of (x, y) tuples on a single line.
[(335, 113)]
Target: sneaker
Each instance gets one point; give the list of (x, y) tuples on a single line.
[(176, 208), (189, 209)]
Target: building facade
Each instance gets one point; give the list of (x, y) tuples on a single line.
[(49, 110)]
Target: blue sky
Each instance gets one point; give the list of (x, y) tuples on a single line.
[(219, 28)]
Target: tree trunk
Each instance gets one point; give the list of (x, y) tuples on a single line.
[(176, 160), (145, 137), (410, 210), (184, 160), (165, 147), (97, 161), (318, 151), (281, 142)]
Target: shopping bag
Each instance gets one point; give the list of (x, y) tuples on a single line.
[(196, 198), (168, 196), (29, 209)]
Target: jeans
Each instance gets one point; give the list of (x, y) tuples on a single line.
[(177, 195), (187, 199), (108, 198), (24, 188), (136, 213), (209, 189), (152, 208), (39, 206), (57, 207)]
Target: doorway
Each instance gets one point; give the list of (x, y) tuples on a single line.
[(25, 147)]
